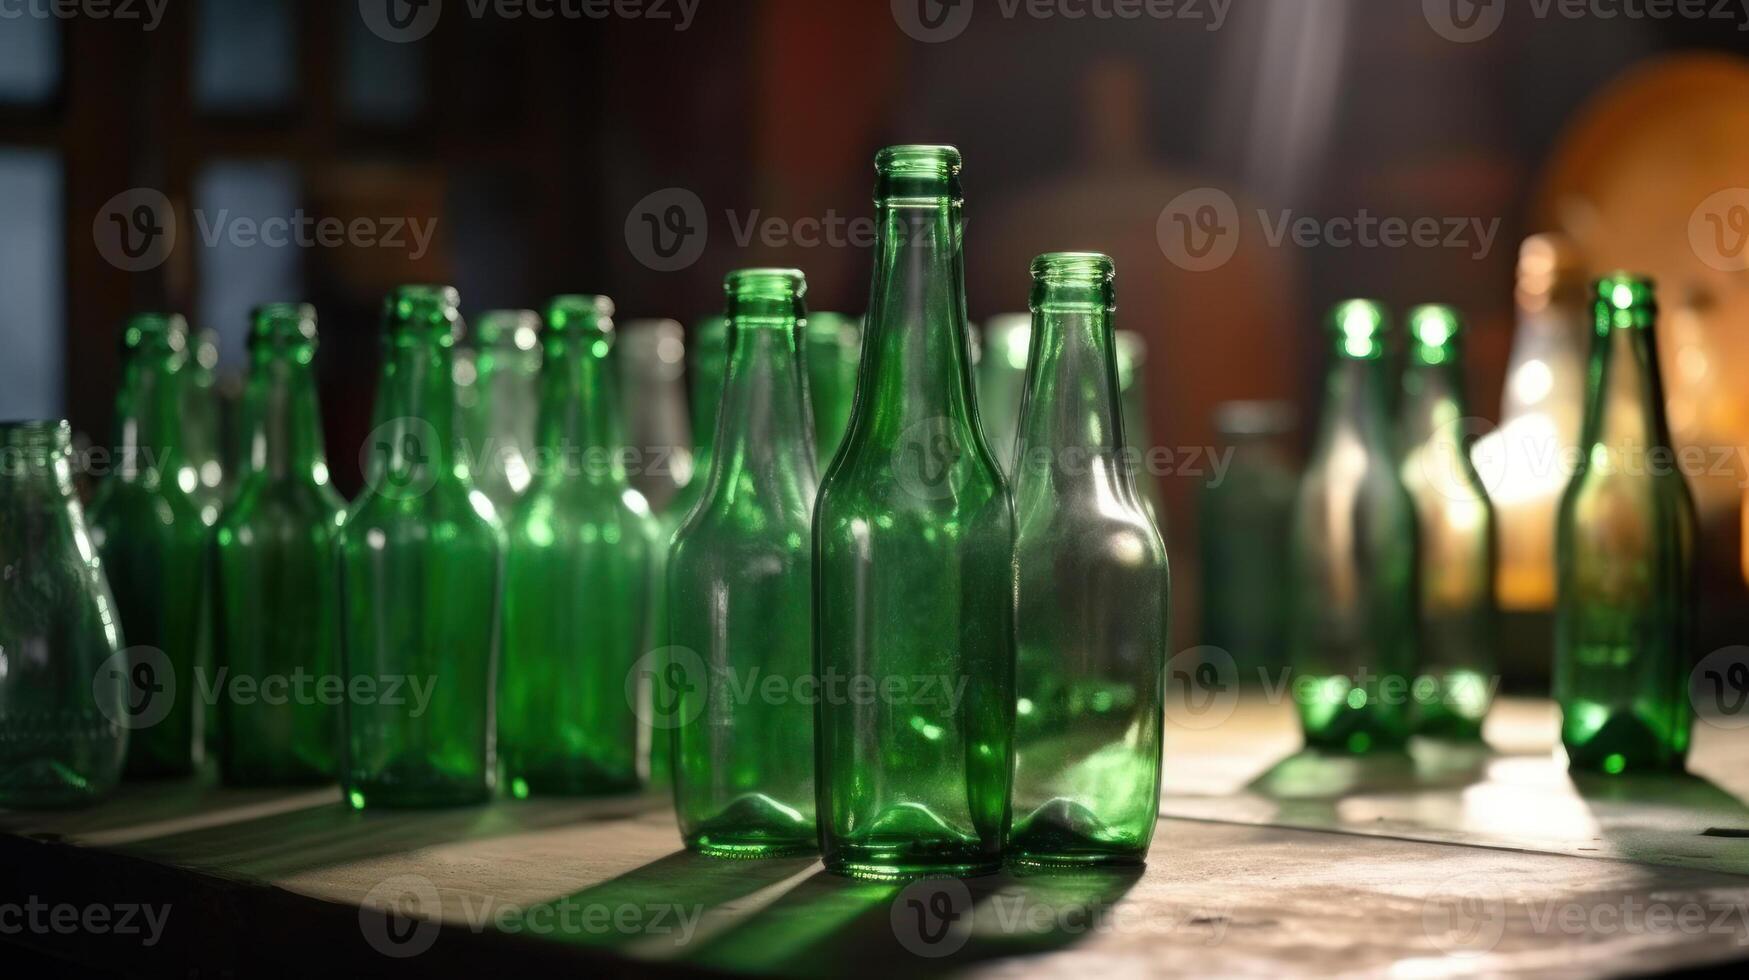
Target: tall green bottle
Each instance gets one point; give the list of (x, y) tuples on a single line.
[(1092, 585), (913, 549), (834, 347), (1624, 610), (276, 589), (499, 398), (578, 578), (149, 530), (203, 425), (421, 559), (63, 708), (740, 587), (709, 355), (1352, 610), (1455, 679)]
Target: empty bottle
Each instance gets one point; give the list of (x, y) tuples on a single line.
[(740, 587), (709, 355), (1092, 585), (498, 392), (421, 561), (63, 682), (276, 589), (913, 589), (1352, 611), (1132, 362), (148, 527), (578, 578), (1455, 679), (203, 425), (650, 355), (833, 348), (1624, 611), (1242, 523)]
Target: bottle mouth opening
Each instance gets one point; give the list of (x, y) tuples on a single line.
[(919, 160), (1074, 268), (39, 438), (1626, 291), (514, 329), (143, 329), (1359, 326), (432, 308), (576, 312), (776, 284), (283, 324), (1435, 325)]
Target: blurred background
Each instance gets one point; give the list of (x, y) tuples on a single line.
[(1247, 163)]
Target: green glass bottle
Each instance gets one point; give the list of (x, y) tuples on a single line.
[(740, 587), (421, 560), (1352, 611), (578, 578), (498, 392), (1625, 539), (913, 549), (1242, 521), (1455, 679), (62, 690), (1091, 577), (709, 355), (148, 527), (203, 425), (276, 590), (834, 348), (1000, 376)]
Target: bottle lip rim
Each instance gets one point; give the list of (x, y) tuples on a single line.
[(1087, 268), (776, 283), (503, 327), (919, 160), (139, 328), (268, 322), (54, 435), (1623, 290), (1427, 320), (571, 311)]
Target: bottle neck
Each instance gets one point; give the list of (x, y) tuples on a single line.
[(580, 410), (283, 423), (916, 362), (1625, 399), (1071, 420), (149, 416), (764, 447), (1433, 395), (1356, 400), (34, 459), (416, 409)]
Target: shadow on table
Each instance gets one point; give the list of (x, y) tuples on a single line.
[(1667, 818), (328, 834), (827, 924), (1311, 774)]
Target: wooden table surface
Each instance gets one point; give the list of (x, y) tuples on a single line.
[(1267, 862)]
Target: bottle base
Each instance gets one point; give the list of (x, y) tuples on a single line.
[(1058, 861), (746, 850), (883, 871)]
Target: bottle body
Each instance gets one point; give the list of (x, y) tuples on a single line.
[(63, 709), (1244, 520), (1352, 558), (1091, 582), (913, 589), (1625, 539), (153, 541), (498, 397), (420, 558), (740, 579), (834, 346), (1456, 678), (578, 577), (276, 589)]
